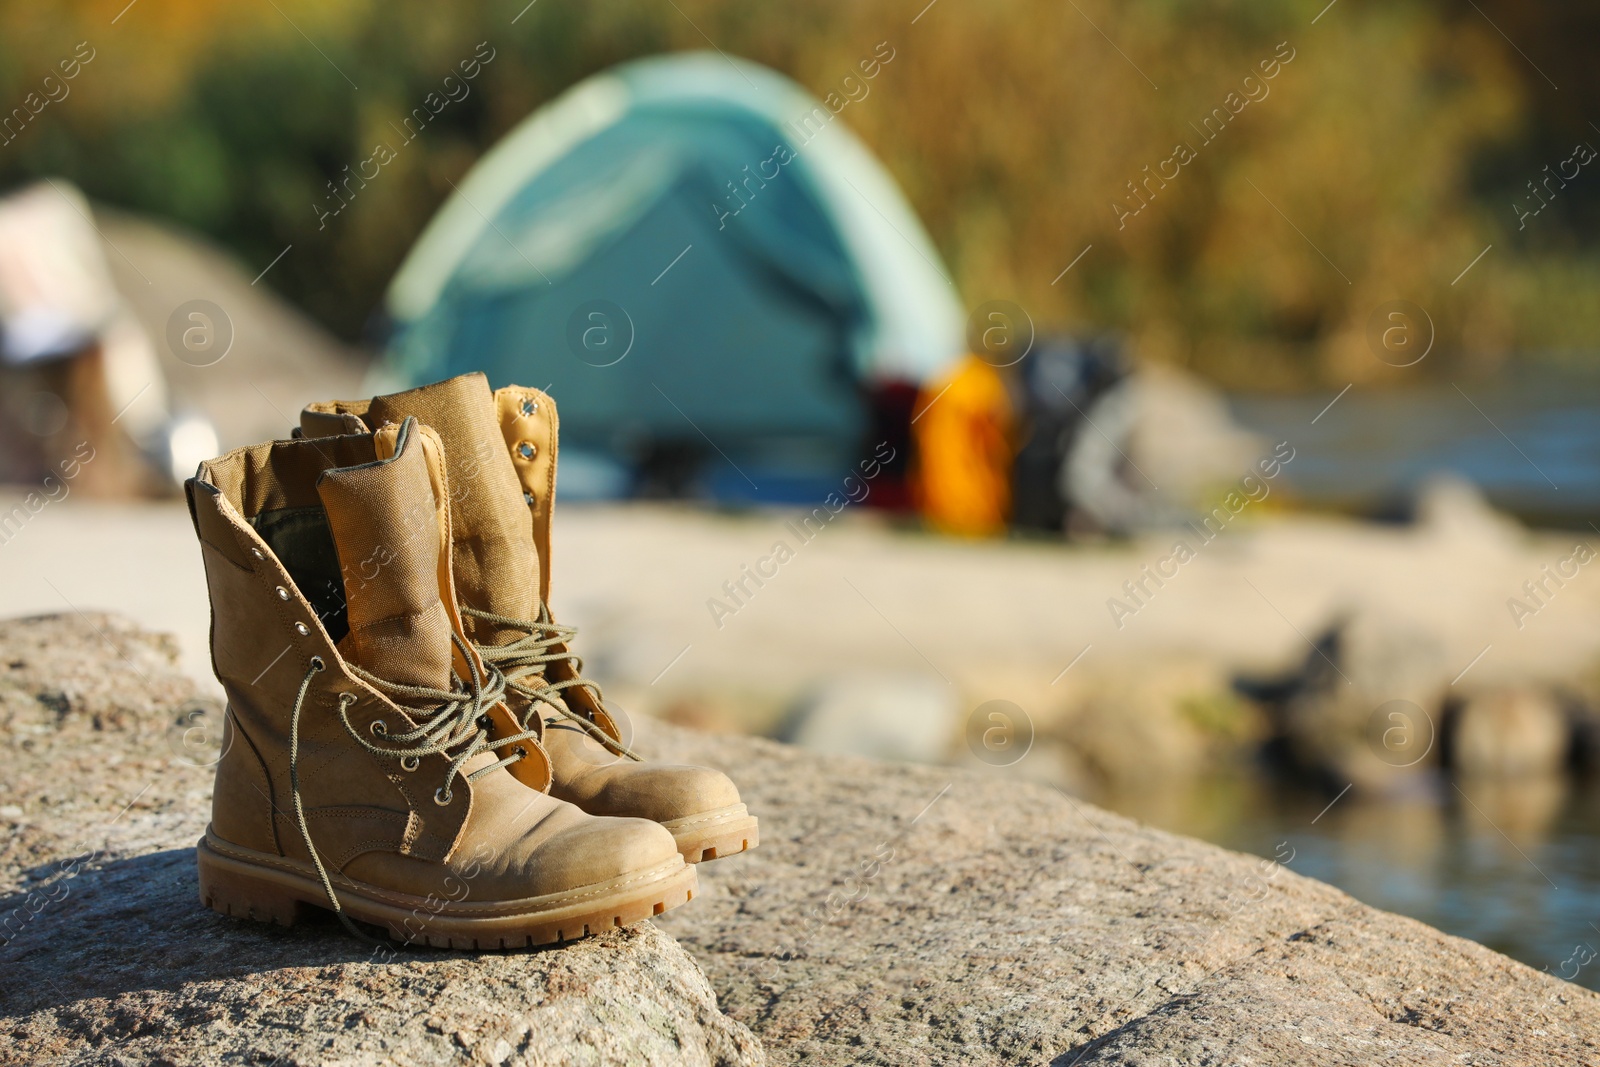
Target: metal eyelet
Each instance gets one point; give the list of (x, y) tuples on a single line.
[(440, 797), (317, 664), (527, 498), (527, 450), (521, 752), (257, 553), (283, 594), (410, 763), (379, 728), (301, 629), (485, 723), (529, 406)]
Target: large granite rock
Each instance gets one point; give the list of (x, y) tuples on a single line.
[(107, 957), (892, 915), (1010, 923)]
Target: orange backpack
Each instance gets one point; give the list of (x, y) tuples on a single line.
[(963, 434)]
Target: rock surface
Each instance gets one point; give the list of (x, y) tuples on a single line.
[(107, 957), (892, 915), (892, 715), (918, 915)]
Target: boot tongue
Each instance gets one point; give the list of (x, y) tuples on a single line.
[(385, 524), (495, 564)]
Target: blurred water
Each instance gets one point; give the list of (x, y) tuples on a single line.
[(1530, 440), (1515, 867)]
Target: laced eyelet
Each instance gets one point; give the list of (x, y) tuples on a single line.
[(410, 763), (347, 699), (527, 450), (379, 728), (301, 629), (485, 723), (441, 798), (530, 406), (317, 664), (283, 594), (521, 752)]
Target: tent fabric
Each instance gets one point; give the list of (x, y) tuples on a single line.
[(683, 247)]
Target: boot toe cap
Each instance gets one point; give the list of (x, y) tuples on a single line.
[(601, 849), (659, 792)]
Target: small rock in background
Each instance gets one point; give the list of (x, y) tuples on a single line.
[(1448, 508), (1582, 691), (1364, 707), (1173, 718), (888, 715), (1510, 733)]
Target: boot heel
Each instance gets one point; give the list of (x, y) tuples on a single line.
[(227, 890)]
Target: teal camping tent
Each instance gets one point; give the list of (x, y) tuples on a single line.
[(707, 270)]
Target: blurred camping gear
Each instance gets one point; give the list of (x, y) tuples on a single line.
[(231, 351), (1055, 384), (705, 267), (963, 437), (1108, 444), (129, 351), (73, 359)]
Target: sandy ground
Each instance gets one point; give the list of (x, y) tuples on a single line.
[(1018, 621)]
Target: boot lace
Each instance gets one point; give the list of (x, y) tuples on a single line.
[(523, 662), (455, 725)]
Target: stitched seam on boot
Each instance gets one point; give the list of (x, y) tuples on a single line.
[(436, 842), (692, 821), (270, 584), (361, 848), (387, 843), (550, 446), (218, 550), (378, 893), (351, 812), (266, 774), (408, 839)]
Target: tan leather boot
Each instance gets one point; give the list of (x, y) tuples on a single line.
[(359, 772), (500, 451)]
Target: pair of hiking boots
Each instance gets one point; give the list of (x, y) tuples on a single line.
[(409, 741)]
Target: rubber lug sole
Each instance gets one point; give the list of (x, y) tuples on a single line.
[(715, 835), (282, 893)]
